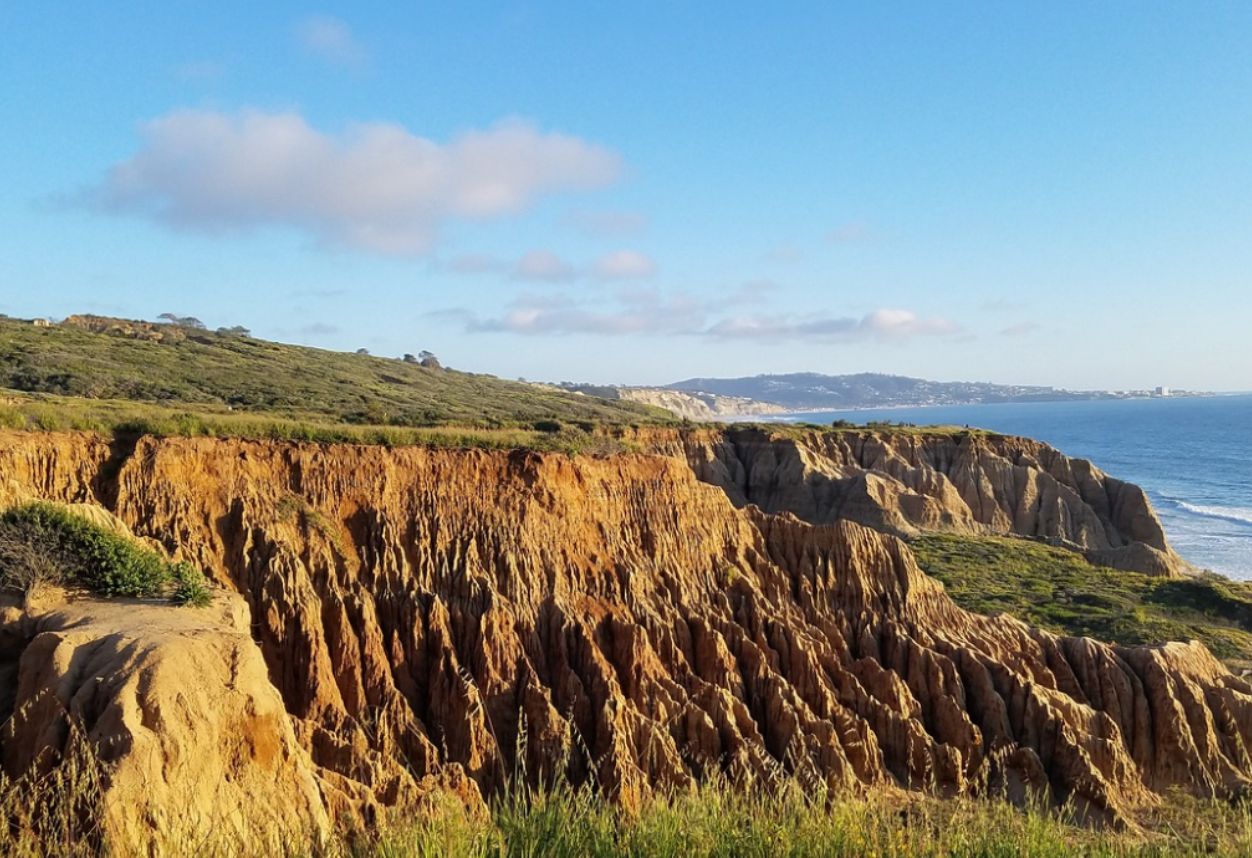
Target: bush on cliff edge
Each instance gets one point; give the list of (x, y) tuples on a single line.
[(42, 543)]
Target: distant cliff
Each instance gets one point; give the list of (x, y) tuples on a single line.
[(698, 406), (689, 406), (904, 482)]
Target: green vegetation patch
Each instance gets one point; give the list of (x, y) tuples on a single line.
[(47, 413), (101, 359), (1061, 591), (42, 543)]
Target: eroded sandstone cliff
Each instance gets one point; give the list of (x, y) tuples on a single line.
[(905, 482), (440, 617)]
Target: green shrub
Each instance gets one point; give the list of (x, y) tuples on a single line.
[(42, 542), (190, 586)]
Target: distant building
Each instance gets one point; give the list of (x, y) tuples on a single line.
[(1161, 391), (41, 323)]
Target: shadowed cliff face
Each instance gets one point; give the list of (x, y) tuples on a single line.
[(427, 613), (903, 483)]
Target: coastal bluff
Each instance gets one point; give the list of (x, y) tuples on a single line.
[(398, 621), (922, 480)]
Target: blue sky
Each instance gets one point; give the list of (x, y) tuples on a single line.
[(1053, 193)]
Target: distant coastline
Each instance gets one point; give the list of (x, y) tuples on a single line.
[(777, 397), (781, 416)]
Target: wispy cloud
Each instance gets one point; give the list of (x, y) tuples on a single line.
[(660, 316), (608, 223), (475, 263), (884, 324), (546, 266), (848, 233), (376, 187), (624, 265), (543, 266), (647, 311), (331, 40), (784, 254), (752, 292), (1021, 329)]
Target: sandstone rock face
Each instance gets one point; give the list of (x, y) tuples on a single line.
[(905, 482), (177, 702), (449, 618)]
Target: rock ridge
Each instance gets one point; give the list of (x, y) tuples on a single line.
[(910, 481)]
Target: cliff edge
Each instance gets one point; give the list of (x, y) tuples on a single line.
[(451, 617)]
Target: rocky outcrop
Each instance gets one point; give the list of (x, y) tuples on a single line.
[(906, 482), (440, 617), (177, 704)]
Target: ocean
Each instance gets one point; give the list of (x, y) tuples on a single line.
[(1193, 455)]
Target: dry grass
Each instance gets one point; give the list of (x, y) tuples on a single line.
[(58, 813)]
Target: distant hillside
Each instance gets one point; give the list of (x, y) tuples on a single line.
[(117, 359), (814, 391)]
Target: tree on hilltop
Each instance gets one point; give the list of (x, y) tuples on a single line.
[(183, 321)]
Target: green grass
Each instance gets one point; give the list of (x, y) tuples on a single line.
[(46, 543), (1059, 590), (785, 820), (202, 370), (121, 418), (59, 814)]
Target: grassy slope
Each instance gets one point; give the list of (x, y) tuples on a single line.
[(213, 371), (1059, 590)]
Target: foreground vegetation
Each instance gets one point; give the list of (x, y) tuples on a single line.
[(59, 814), (1059, 590), (788, 822), (47, 544), (103, 359)]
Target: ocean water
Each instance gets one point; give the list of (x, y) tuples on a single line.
[(1192, 455)]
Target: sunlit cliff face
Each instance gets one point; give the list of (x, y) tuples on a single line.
[(444, 619)]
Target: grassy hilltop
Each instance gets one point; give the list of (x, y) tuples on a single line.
[(110, 375), (109, 359)]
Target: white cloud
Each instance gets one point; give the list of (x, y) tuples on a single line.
[(330, 39), (649, 312), (624, 265), (560, 317), (905, 323), (779, 328), (376, 187), (880, 325), (543, 266)]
